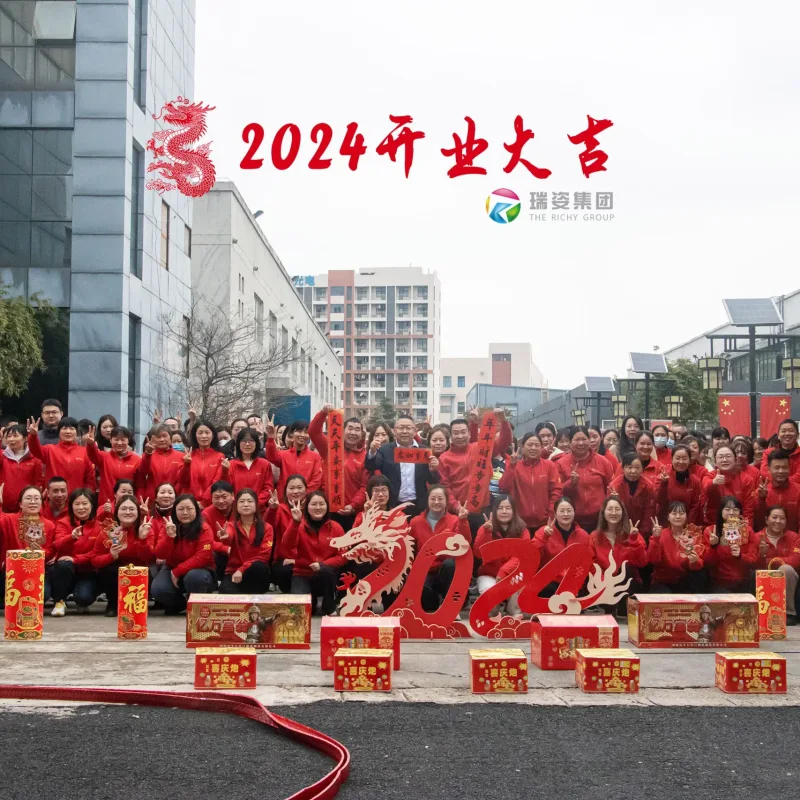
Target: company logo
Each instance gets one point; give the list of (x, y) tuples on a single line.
[(191, 170), (503, 205)]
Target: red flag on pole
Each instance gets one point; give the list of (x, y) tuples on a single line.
[(774, 409), (734, 413)]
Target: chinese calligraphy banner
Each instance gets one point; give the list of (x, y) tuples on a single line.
[(481, 464), (132, 603), (334, 480), (771, 596), (24, 594), (412, 455)]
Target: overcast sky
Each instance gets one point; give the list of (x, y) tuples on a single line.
[(702, 157)]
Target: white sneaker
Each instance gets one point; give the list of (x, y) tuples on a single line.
[(59, 609)]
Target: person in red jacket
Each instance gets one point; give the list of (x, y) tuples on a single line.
[(217, 516), (777, 491), (72, 573), (297, 460), (732, 549), (661, 451), (560, 532), (55, 500), (316, 564), (635, 492), (503, 523), (727, 480), (117, 463), (18, 468), (532, 481), (787, 436), (160, 463), (66, 459), (680, 485), (743, 450), (123, 488), (251, 541), (279, 515), (585, 477), (676, 554), (125, 539), (645, 448), (779, 549), (429, 523), (247, 470), (201, 462), (355, 478), (189, 560)]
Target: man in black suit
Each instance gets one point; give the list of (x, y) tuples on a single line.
[(409, 482)]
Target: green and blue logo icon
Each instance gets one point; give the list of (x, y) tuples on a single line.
[(503, 206)]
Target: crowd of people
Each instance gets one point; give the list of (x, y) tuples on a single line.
[(243, 508)]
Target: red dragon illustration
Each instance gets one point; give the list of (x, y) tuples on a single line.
[(192, 170)]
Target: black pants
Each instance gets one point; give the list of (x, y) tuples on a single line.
[(282, 576), (195, 581), (437, 584), (321, 584), (345, 520), (66, 580), (255, 580), (692, 582), (108, 583), (221, 563)]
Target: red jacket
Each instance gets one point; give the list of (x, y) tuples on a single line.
[(244, 552), (535, 487), (79, 549), (281, 520), (794, 463), (198, 476), (690, 492), (550, 546), (500, 567), (595, 473), (16, 475), (629, 548), (258, 478), (699, 471), (739, 485), (641, 505), (47, 513), (652, 471), (183, 554), (307, 463), (214, 517), (160, 466), (308, 547), (111, 468), (727, 568), (68, 461), (138, 552), (788, 497), (12, 539), (670, 564), (663, 456), (787, 550), (752, 472), (355, 492), (421, 531)]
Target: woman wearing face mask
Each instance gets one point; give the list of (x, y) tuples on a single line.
[(676, 554), (727, 480), (113, 464), (503, 523), (247, 470), (663, 445), (201, 461), (129, 541), (251, 541), (279, 516), (186, 548), (316, 563), (160, 463), (731, 554), (532, 482), (679, 485), (628, 434), (779, 548), (560, 532), (636, 493), (18, 468), (72, 572), (743, 450), (67, 459)]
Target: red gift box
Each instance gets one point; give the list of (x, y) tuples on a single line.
[(224, 668), (362, 670), (364, 633), (771, 597), (556, 637), (693, 620), (751, 672), (262, 621), (24, 594), (498, 671), (612, 670), (132, 602)]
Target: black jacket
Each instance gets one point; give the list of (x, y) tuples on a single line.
[(383, 462)]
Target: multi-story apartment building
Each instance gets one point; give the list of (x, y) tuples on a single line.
[(385, 327)]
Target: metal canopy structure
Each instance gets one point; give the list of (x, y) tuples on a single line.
[(752, 311)]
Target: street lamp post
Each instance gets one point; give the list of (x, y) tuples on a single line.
[(619, 407), (674, 405)]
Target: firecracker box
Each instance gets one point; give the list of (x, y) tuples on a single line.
[(751, 672), (362, 670), (500, 671), (24, 595), (132, 602), (262, 621), (356, 633), (607, 670), (693, 620), (224, 668), (556, 637), (771, 597)]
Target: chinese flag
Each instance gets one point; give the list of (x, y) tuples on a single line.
[(774, 409), (734, 413)]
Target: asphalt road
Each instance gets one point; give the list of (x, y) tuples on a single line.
[(405, 751)]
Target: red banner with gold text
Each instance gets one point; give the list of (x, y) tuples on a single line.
[(481, 464), (334, 480)]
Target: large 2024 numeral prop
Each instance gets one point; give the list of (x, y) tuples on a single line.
[(401, 576)]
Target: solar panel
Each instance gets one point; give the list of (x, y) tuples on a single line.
[(753, 311), (599, 384), (654, 363)]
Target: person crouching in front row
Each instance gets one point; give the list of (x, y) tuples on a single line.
[(676, 553), (251, 541)]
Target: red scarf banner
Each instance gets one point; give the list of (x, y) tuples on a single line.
[(412, 455), (335, 477), (481, 464)]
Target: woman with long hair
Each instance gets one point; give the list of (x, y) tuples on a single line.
[(636, 492), (676, 554), (251, 542), (201, 461), (105, 425), (247, 470), (731, 546), (628, 434), (279, 515), (115, 462)]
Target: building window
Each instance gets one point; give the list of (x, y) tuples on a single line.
[(447, 381), (303, 366), (187, 240), (134, 368), (284, 342), (273, 332), (294, 360), (337, 308), (140, 53), (349, 293), (462, 382), (164, 235), (137, 190), (337, 291), (462, 407), (241, 309), (501, 356), (316, 379), (258, 305)]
